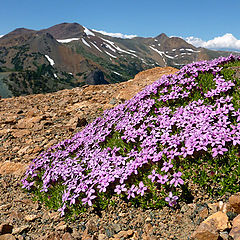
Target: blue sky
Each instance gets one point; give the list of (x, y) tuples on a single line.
[(204, 19)]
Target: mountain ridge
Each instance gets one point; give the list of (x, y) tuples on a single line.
[(77, 52)]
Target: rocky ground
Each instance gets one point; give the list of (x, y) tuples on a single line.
[(31, 124)]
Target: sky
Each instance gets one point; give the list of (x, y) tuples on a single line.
[(206, 22)]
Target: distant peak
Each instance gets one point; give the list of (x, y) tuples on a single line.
[(162, 37)]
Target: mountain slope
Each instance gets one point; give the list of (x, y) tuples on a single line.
[(69, 55)]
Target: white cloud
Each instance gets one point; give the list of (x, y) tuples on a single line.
[(118, 35), (1, 36), (227, 41)]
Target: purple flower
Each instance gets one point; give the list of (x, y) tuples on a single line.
[(120, 188), (141, 189), (88, 199), (153, 175), (131, 192), (166, 166), (218, 150), (172, 200), (177, 179), (162, 179), (62, 209)]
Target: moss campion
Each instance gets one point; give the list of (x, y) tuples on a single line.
[(139, 149)]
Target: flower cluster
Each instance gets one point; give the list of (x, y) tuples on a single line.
[(153, 132)]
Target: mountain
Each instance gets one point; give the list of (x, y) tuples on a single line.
[(69, 55)]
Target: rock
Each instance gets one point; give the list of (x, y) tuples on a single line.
[(235, 231), (234, 202), (124, 234), (205, 232), (67, 236), (219, 220), (213, 207), (102, 237), (203, 213), (137, 84), (28, 122), (4, 131), (20, 133), (224, 235), (62, 226), (116, 227), (21, 229), (5, 206), (77, 122), (148, 219), (8, 167), (236, 221), (53, 236), (91, 226), (113, 101), (15, 215), (5, 228), (30, 218), (7, 237), (76, 234)]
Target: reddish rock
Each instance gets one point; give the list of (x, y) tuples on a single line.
[(53, 236), (7, 237), (124, 234), (236, 221), (219, 220), (76, 122), (235, 231), (203, 213), (135, 85), (205, 232), (21, 133), (67, 236), (12, 168), (28, 122), (62, 226), (19, 230), (30, 218), (234, 202), (102, 237)]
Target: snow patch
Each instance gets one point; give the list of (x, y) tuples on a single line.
[(111, 48), (160, 53), (117, 73), (168, 56), (83, 40), (55, 75), (118, 48), (50, 60), (110, 55), (88, 32), (67, 40)]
